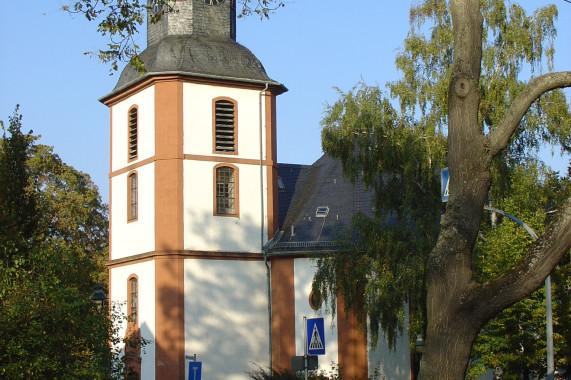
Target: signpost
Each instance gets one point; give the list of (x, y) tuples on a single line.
[(315, 341), (298, 363), (313, 344), (194, 370), (444, 184)]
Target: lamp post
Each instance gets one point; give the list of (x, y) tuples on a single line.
[(99, 297), (498, 373), (548, 305), (419, 350), (444, 183)]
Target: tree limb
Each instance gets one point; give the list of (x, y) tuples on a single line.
[(529, 273), (500, 136)]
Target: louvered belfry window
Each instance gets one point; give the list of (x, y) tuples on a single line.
[(133, 133), (224, 126), (225, 191)]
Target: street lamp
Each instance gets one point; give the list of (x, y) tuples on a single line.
[(98, 297), (548, 306), (419, 345), (419, 350)]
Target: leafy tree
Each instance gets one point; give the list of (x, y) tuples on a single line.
[(120, 20), (74, 217), (48, 326), (462, 103)]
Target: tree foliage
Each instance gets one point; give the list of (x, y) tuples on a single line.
[(18, 211), (49, 328), (120, 21), (380, 148), (472, 97)]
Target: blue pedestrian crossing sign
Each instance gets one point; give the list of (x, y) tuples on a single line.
[(315, 336), (444, 184)]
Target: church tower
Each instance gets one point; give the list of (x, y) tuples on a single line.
[(193, 196)]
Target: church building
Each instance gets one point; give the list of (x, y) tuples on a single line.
[(211, 240)]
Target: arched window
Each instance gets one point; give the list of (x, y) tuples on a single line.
[(132, 300), (133, 130), (132, 357), (132, 196), (225, 126), (226, 190)]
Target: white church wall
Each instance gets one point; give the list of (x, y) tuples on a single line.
[(145, 273), (304, 269), (204, 231), (394, 363), (197, 120), (145, 102), (226, 316), (131, 238)]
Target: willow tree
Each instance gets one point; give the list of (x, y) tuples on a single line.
[(463, 103)]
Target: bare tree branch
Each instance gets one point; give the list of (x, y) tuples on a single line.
[(499, 138)]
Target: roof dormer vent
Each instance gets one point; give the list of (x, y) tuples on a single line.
[(322, 211)]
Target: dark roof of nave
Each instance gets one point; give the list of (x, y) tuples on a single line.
[(198, 56), (304, 189)]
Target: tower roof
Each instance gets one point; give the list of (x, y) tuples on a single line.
[(196, 39), (198, 56)]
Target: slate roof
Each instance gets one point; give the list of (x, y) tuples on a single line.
[(307, 187), (198, 56)]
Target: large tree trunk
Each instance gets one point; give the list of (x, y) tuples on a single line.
[(457, 307)]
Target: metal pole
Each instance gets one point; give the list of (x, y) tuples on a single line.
[(262, 214), (549, 330), (548, 308), (305, 347)]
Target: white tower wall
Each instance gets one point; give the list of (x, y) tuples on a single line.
[(135, 237), (226, 311)]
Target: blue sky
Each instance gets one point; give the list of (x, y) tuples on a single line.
[(311, 46)]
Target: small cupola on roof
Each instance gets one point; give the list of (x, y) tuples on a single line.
[(196, 38)]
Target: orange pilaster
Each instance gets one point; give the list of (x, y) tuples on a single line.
[(352, 354), (283, 313)]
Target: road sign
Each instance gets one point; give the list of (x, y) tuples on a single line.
[(298, 363), (444, 184), (194, 370), (315, 336)]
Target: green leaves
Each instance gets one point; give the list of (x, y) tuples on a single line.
[(119, 20), (53, 242), (17, 202), (396, 143), (384, 258), (515, 339), (261, 8)]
